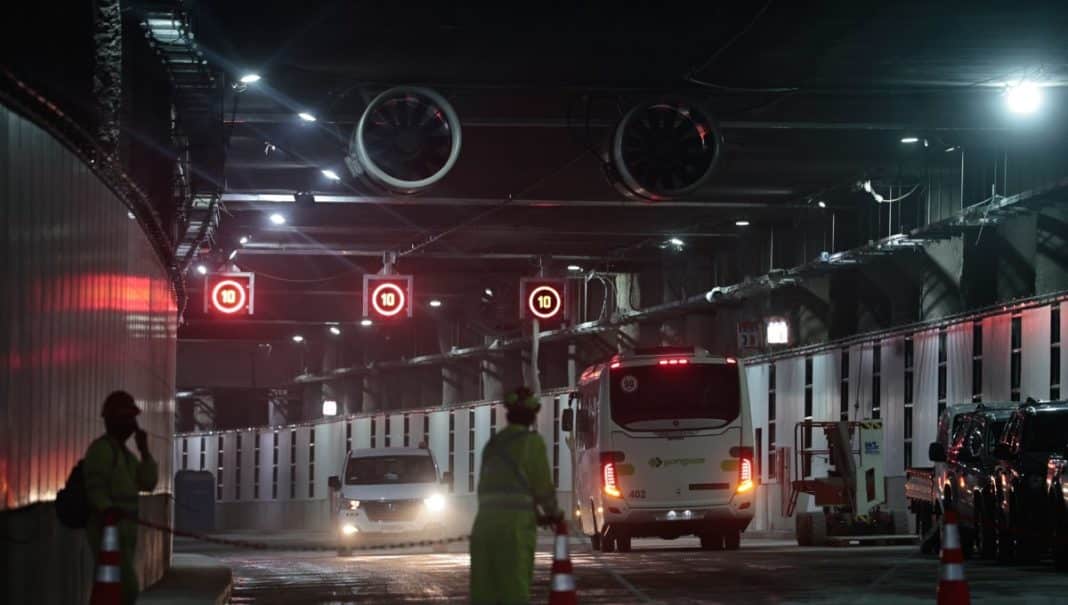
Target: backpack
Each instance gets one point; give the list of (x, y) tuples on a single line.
[(72, 502)]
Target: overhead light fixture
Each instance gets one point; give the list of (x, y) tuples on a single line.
[(910, 140), (488, 292), (278, 219), (741, 223), (130, 215), (574, 268), (336, 331), (202, 269), (233, 255), (250, 78), (951, 148), (307, 117), (1024, 98), (329, 407), (366, 322), (298, 338), (304, 199), (821, 204), (435, 303), (678, 243), (330, 174), (244, 239)]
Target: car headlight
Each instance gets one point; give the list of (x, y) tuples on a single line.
[(350, 504), (435, 503), (348, 529)]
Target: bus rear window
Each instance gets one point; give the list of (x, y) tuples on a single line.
[(690, 392)]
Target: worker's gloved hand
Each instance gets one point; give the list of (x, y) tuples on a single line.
[(141, 439)]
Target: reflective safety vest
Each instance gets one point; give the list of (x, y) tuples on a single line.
[(515, 473)]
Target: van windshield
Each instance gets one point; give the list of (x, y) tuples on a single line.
[(686, 392), (390, 469)]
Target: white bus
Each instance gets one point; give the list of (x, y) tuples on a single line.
[(663, 447)]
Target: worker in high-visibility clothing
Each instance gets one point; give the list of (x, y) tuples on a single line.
[(113, 479), (515, 494)]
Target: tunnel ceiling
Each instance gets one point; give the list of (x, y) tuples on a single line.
[(808, 100)]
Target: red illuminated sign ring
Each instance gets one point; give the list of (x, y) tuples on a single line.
[(223, 307), (557, 302), (401, 301)]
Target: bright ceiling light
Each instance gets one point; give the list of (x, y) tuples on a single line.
[(909, 140), (1024, 98), (233, 255), (435, 303), (201, 269), (741, 223), (250, 78), (336, 331), (574, 268), (330, 174), (676, 242), (298, 338), (130, 215), (366, 322), (307, 117), (278, 219), (952, 148), (488, 292), (821, 204), (244, 240)]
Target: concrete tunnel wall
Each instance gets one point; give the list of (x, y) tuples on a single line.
[(257, 488), (85, 308)]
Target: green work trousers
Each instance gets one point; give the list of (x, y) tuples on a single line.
[(127, 548), (502, 557)]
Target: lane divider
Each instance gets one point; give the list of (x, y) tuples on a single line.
[(247, 544)]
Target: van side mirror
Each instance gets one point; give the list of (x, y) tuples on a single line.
[(936, 452), (446, 478), (567, 420), (334, 482), (1002, 451)]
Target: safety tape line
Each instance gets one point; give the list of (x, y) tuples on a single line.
[(303, 548)]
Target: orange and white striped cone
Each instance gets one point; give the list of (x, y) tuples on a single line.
[(952, 587), (563, 582), (107, 589)]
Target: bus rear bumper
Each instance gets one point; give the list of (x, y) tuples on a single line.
[(672, 523)]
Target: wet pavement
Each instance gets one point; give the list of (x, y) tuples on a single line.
[(763, 571)]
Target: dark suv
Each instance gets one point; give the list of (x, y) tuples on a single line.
[(1035, 434), (968, 481)]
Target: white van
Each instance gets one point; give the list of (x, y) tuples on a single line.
[(663, 446), (389, 491)]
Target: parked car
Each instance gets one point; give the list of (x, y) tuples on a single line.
[(1034, 435), (969, 477), (928, 488), (1057, 483), (389, 491)]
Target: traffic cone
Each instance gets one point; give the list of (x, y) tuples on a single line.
[(107, 589), (563, 583), (952, 587)]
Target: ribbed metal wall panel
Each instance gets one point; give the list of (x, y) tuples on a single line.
[(85, 308)]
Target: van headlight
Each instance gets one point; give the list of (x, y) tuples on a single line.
[(435, 503), (348, 529)]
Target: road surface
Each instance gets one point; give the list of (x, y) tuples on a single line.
[(763, 571)]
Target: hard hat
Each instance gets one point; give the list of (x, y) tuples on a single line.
[(118, 405), (522, 398)]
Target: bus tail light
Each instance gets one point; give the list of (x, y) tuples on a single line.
[(611, 484), (745, 476)]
